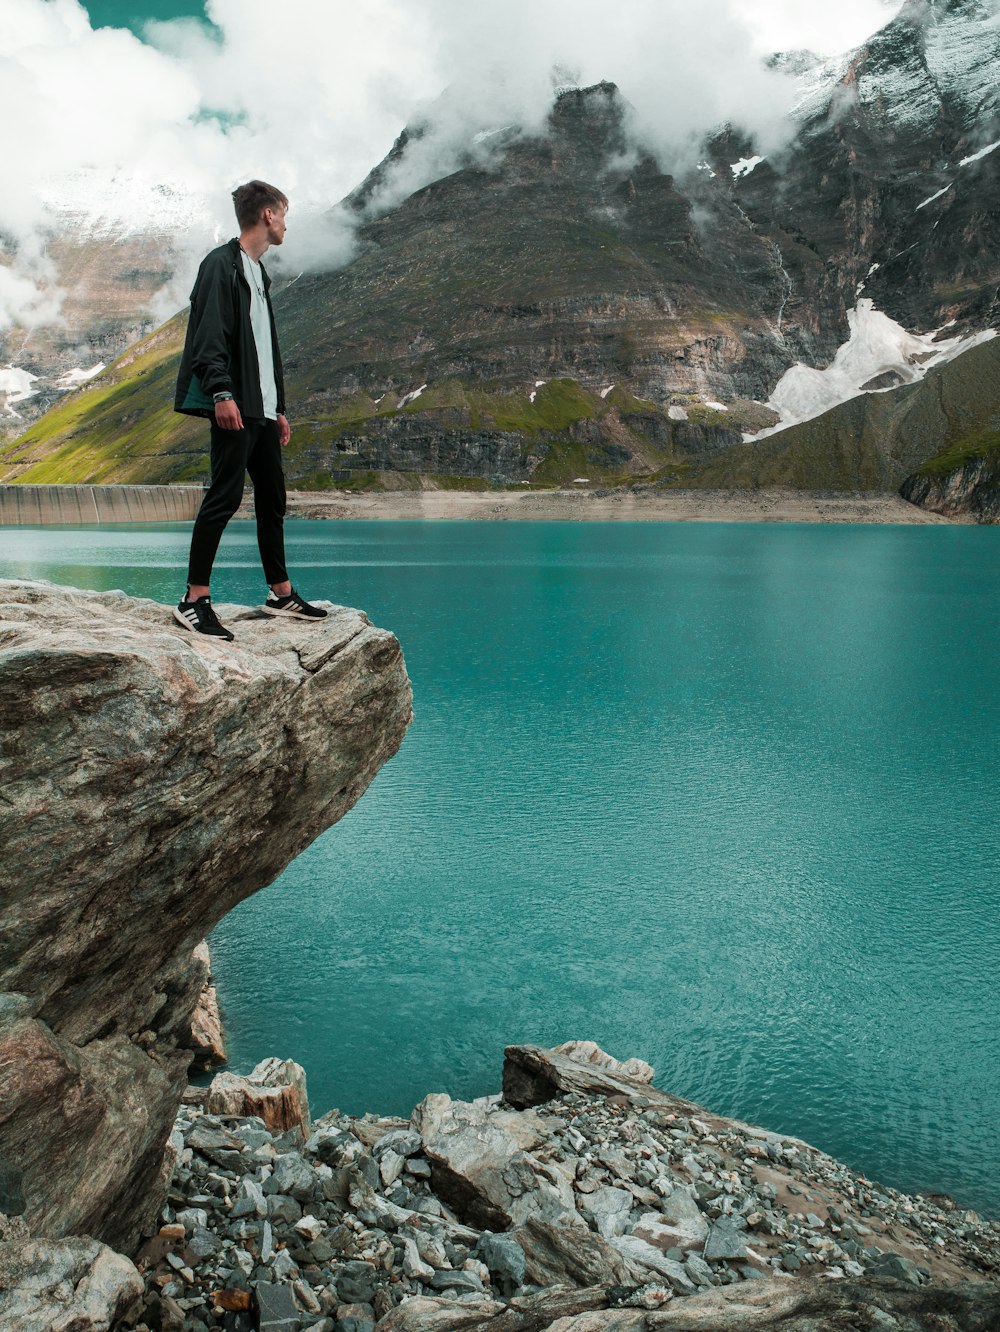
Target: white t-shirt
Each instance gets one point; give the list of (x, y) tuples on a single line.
[(260, 322)]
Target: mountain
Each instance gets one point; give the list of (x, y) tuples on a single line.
[(113, 246), (566, 309)]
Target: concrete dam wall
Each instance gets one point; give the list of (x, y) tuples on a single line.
[(29, 506)]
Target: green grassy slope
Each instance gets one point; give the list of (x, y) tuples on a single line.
[(120, 427)]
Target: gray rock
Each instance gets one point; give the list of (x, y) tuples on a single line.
[(404, 1142), (506, 1260), (76, 1284), (283, 1264), (483, 1165), (276, 1309), (250, 1200), (204, 1244), (725, 1241), (293, 1176), (413, 1265), (281, 1208), (356, 1282), (896, 1266), (556, 1254), (390, 1166), (608, 1210), (680, 1224), (353, 1324), (698, 1270), (638, 1252)]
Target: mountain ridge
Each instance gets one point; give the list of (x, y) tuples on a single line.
[(670, 307)]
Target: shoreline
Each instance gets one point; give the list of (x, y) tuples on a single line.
[(75, 505), (579, 1194), (674, 506)]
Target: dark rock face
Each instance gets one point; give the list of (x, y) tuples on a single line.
[(151, 780), (972, 488)]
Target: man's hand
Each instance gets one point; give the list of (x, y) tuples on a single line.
[(227, 415), (284, 430)]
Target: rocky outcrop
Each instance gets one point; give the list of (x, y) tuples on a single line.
[(151, 779), (207, 1039), (274, 1092), (607, 1205), (970, 489)]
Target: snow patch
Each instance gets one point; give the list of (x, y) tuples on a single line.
[(605, 392), (717, 406), (983, 152), (704, 166), (540, 382), (484, 136), (677, 413), (411, 397), (877, 345), (745, 165), (933, 197), (581, 480), (74, 378), (16, 384)]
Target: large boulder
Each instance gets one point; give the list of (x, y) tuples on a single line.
[(72, 1285), (151, 780), (274, 1092), (483, 1164)]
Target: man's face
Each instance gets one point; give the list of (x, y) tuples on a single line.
[(274, 219)]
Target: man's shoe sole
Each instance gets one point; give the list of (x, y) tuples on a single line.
[(223, 638), (293, 615)]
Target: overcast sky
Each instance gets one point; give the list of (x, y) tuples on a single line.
[(311, 93)]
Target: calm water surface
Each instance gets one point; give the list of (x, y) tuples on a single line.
[(722, 796)]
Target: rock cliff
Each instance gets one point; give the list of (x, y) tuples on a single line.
[(150, 780)]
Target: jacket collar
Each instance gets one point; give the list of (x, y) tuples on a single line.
[(236, 249)]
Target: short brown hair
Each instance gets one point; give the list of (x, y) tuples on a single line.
[(251, 199)]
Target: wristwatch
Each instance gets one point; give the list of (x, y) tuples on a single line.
[(222, 397)]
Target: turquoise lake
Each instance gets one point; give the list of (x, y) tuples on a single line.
[(721, 796)]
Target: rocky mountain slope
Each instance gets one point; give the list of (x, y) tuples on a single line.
[(566, 309), (111, 248)]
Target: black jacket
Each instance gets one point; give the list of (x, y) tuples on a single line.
[(219, 350)]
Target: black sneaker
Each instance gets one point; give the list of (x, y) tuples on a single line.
[(294, 605), (200, 618)]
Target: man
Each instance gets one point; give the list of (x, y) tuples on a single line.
[(231, 373)]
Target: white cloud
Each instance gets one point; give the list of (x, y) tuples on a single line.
[(312, 94), (786, 25)]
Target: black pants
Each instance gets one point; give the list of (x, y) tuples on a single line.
[(254, 449)]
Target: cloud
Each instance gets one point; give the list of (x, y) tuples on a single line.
[(134, 133)]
